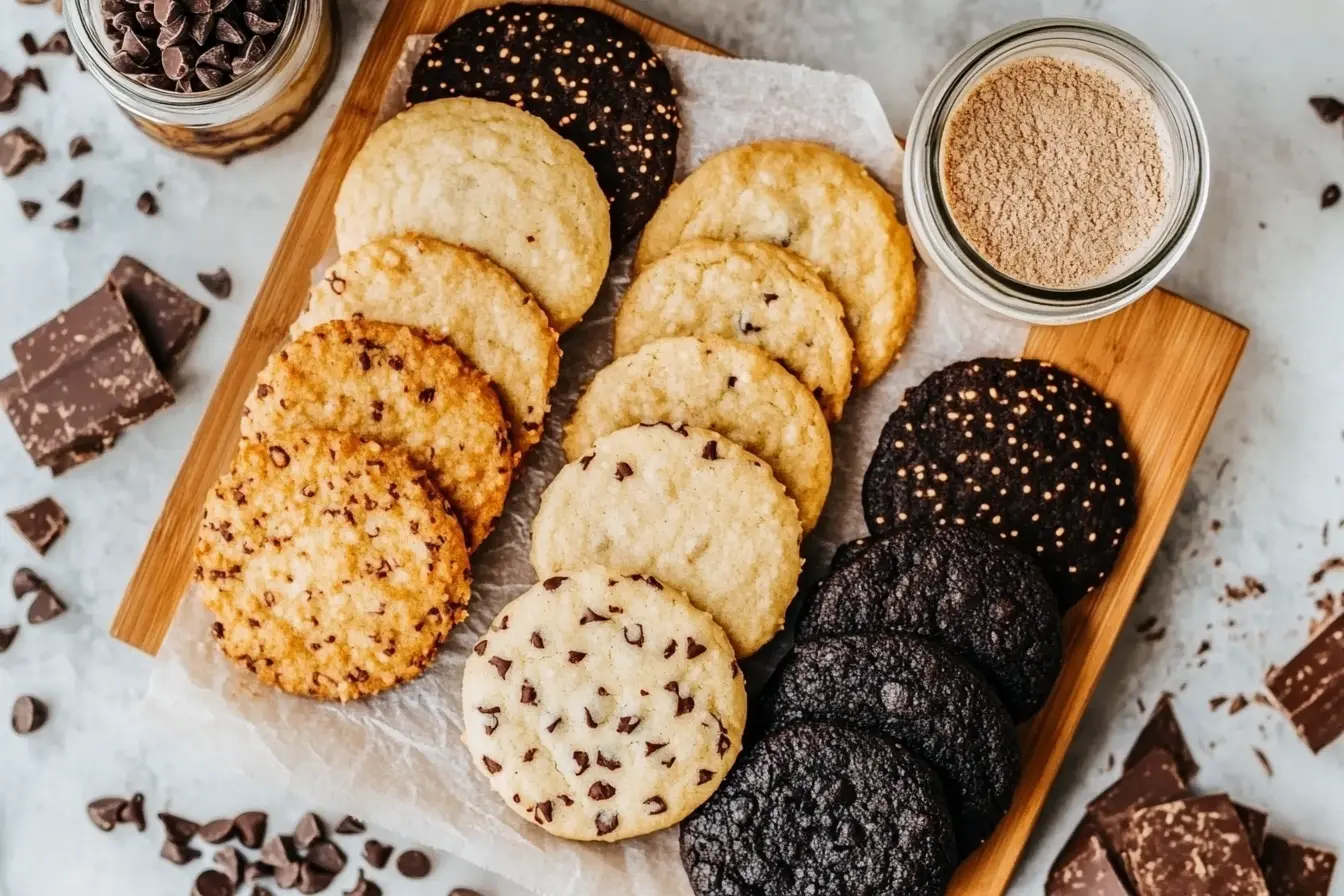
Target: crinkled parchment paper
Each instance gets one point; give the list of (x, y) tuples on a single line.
[(396, 759)]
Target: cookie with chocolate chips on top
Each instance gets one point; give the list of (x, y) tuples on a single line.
[(1019, 449), (601, 706), (592, 79)]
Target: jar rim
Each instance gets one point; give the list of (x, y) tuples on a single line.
[(935, 232)]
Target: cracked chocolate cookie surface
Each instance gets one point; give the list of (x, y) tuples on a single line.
[(601, 706)]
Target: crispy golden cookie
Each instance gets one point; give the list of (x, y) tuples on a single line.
[(400, 386), (332, 564)]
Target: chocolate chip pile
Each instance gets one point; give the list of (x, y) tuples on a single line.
[(189, 46)]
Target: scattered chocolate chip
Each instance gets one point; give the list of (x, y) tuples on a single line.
[(501, 665), (537, 640), (40, 523), (67, 224), (327, 856), (10, 92), (1330, 196), (212, 883), (576, 656), (694, 649), (627, 724), (45, 607), (413, 864), (29, 208), (103, 812), (1328, 108), (553, 582), (279, 851), (590, 616), (29, 43), (133, 812), (221, 830), (179, 853), (287, 876), (364, 887), (350, 825), (376, 853), (26, 581), (711, 451), (7, 636), (309, 830), (623, 470), (19, 149), (73, 195), (463, 891), (313, 879), (704, 776), (251, 828), (29, 715), (231, 862), (606, 823), (59, 42), (256, 871), (178, 829), (219, 284)]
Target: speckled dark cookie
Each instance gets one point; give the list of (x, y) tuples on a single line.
[(1019, 449), (924, 697), (818, 809), (592, 79), (956, 586), (848, 551)]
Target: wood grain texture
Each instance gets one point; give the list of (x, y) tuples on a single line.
[(1165, 361)]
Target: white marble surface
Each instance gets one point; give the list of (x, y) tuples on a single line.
[(1277, 440)]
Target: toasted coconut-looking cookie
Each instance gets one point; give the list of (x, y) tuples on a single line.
[(541, 57), (753, 292), (400, 386), (602, 706), (1019, 449), (686, 505), (815, 808), (729, 387), (456, 293), (817, 203), (332, 564), (490, 177)]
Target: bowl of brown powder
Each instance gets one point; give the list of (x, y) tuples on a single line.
[(1055, 171)]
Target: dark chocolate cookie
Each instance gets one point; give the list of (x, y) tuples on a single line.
[(920, 695), (847, 552), (958, 587), (819, 809), (589, 77), (1019, 449)]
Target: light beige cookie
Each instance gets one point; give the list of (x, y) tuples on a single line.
[(490, 177), (818, 203), (729, 387), (457, 293), (686, 505), (602, 707), (332, 564), (750, 291), (400, 386)]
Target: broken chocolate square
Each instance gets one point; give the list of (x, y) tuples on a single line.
[(1293, 868), (1088, 872), (1194, 845), (19, 149), (1309, 690), (1153, 780), (40, 523), (169, 319), (1164, 731)]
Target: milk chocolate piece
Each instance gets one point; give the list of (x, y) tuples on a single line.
[(40, 523), (79, 145), (1088, 872), (1191, 846), (9, 92), (1087, 828), (1255, 821), (169, 319), (19, 149), (1293, 868), (1309, 690), (1164, 731), (1153, 780)]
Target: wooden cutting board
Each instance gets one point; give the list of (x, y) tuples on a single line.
[(1164, 360)]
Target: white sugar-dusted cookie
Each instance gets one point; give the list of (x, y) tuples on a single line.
[(490, 177), (684, 504), (458, 294), (819, 204), (753, 292), (602, 706), (720, 384)]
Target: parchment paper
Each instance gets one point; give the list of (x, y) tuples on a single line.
[(396, 760)]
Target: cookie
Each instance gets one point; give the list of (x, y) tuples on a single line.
[(920, 695), (589, 77), (816, 808), (402, 387), (492, 178), (333, 566), (847, 552), (456, 293), (1019, 449), (955, 586), (819, 204), (749, 291), (729, 387), (602, 706), (688, 506)]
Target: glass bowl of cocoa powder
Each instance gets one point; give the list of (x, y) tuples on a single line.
[(1055, 171)]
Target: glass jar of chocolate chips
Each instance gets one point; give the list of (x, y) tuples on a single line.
[(214, 78)]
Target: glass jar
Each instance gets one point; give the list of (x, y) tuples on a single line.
[(257, 109), (931, 223)]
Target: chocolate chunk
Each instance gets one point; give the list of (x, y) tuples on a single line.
[(147, 204), (104, 812), (133, 812), (59, 42), (29, 43), (73, 195), (365, 887), (1153, 780), (168, 318), (10, 91), (219, 284), (40, 523), (26, 581), (45, 607), (1293, 868), (19, 149), (67, 224), (221, 830), (350, 825), (1309, 690), (1330, 196), (376, 853), (413, 864), (279, 850), (1255, 822), (1194, 845), (87, 375), (1329, 108), (7, 635), (178, 853), (29, 208), (178, 829), (33, 76), (251, 828), (212, 883), (1087, 872), (232, 863), (29, 715), (1164, 731), (79, 146)]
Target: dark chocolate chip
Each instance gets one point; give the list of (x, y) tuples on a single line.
[(177, 62), (364, 887), (178, 829), (7, 635), (173, 34), (73, 195), (327, 856), (258, 24), (166, 11), (26, 581), (221, 830), (33, 76), (122, 62), (200, 27), (376, 853), (217, 57), (413, 864), (553, 582), (657, 805), (67, 224), (45, 607), (19, 149), (10, 91), (287, 875), (607, 822), (310, 829), (279, 851), (623, 470), (29, 208), (1330, 196), (219, 284), (178, 853), (350, 825), (1329, 108), (29, 43), (711, 451), (501, 665), (133, 812), (29, 715), (79, 146), (251, 828), (211, 78), (147, 204), (59, 42), (229, 32), (313, 879), (103, 812), (232, 863), (212, 883), (576, 656)]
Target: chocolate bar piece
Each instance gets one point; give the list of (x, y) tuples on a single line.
[(1310, 689), (40, 523), (1191, 846), (1256, 822), (1162, 730), (1088, 872), (1087, 829), (1293, 868), (169, 319), (87, 376), (1154, 780)]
